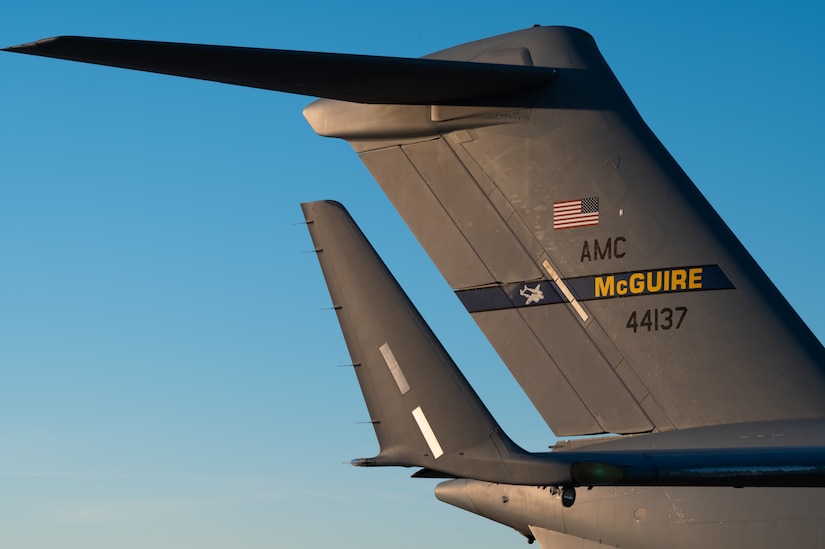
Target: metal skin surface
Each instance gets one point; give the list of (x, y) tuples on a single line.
[(378, 321), (362, 78), (481, 200), (649, 517), (400, 364), (478, 189), (607, 283), (408, 379)]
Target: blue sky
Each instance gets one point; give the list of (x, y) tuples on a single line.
[(168, 376)]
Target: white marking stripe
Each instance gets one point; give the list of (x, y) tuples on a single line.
[(395, 369), (580, 310), (427, 431), (550, 270), (565, 290)]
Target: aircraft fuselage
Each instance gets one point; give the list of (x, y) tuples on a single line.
[(650, 517)]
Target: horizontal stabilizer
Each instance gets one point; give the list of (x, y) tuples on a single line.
[(355, 78)]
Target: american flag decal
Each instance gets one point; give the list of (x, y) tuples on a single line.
[(582, 212)]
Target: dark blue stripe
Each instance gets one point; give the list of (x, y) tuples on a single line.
[(508, 296), (604, 286)]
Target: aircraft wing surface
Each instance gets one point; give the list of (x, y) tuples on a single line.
[(358, 78)]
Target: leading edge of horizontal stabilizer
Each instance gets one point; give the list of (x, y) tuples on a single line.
[(346, 77)]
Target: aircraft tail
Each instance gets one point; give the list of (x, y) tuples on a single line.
[(609, 286), (423, 410), (426, 414)]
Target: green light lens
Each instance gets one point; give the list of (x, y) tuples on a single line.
[(594, 473)]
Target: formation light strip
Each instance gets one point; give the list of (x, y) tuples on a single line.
[(395, 369), (565, 290)]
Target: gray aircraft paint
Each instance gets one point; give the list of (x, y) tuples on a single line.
[(480, 199), (649, 517), (372, 308), (484, 168)]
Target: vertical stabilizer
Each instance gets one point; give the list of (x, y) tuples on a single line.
[(607, 283)]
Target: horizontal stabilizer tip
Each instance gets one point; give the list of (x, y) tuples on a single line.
[(346, 77)]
